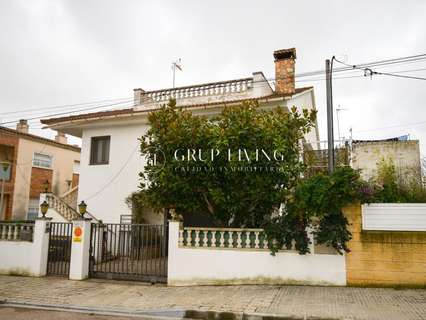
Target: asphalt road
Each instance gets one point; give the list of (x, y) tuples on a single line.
[(11, 313)]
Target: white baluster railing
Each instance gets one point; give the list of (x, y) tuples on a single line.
[(225, 238), (211, 89), (16, 231)]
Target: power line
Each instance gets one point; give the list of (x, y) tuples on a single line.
[(381, 63), (369, 72), (68, 112), (60, 106), (392, 126)]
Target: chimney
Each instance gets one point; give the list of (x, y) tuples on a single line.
[(22, 126), (61, 138), (285, 70), (138, 93)]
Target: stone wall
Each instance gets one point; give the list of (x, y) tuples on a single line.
[(404, 154), (384, 258)]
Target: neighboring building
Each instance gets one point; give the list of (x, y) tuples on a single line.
[(32, 160), (110, 159), (367, 154)]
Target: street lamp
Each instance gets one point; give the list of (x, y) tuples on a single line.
[(43, 208), (82, 208), (46, 186)]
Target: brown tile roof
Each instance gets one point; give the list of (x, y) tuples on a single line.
[(131, 111), (33, 137)]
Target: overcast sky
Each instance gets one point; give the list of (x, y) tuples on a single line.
[(67, 52)]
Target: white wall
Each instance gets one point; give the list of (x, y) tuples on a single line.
[(15, 258), (200, 266), (405, 155), (394, 216), (26, 258), (105, 187)]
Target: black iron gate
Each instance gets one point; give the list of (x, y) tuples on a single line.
[(58, 258), (129, 251)]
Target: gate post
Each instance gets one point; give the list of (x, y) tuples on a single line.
[(80, 246), (41, 246)]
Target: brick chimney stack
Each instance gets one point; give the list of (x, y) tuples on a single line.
[(22, 126), (61, 138), (285, 70)]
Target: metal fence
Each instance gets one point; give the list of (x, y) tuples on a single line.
[(317, 160), (129, 251), (59, 256)]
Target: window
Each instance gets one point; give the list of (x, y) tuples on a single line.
[(99, 151), (42, 160), (5, 170), (33, 206)]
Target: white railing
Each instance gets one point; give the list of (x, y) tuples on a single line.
[(210, 89), (226, 238), (61, 207), (70, 197), (65, 210), (16, 231)]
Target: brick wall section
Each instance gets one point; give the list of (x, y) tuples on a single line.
[(38, 178), (383, 258), (75, 179), (284, 74), (10, 141)]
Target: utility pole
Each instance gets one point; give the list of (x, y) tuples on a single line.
[(330, 131)]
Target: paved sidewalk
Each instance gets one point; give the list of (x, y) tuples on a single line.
[(290, 301)]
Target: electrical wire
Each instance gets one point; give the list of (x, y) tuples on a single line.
[(165, 93), (369, 72), (115, 176), (60, 106), (380, 63), (67, 112)]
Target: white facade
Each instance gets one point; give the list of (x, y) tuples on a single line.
[(104, 188)]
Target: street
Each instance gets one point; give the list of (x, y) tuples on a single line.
[(259, 300), (11, 313)]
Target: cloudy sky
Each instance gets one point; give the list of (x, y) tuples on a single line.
[(57, 53)]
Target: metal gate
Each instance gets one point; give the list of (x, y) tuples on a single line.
[(129, 251), (58, 258)]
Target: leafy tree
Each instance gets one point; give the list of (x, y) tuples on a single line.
[(247, 189), (237, 190)]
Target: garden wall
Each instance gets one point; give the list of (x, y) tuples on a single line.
[(384, 258), (241, 256), (23, 255)]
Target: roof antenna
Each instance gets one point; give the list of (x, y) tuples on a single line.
[(176, 64)]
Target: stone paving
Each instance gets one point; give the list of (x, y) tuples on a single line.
[(287, 301)]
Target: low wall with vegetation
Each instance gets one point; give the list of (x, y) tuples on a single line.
[(384, 258), (224, 256)]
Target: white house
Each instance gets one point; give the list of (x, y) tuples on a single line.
[(110, 157)]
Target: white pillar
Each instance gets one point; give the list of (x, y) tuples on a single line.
[(79, 264), (41, 246), (174, 227)]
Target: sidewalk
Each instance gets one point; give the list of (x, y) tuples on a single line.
[(287, 301)]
